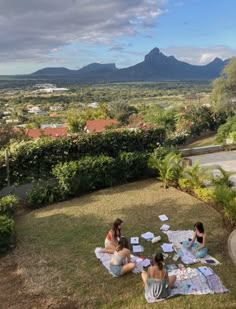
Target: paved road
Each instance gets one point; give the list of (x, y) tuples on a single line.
[(226, 159)]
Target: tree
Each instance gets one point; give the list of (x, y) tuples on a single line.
[(121, 110), (224, 89)]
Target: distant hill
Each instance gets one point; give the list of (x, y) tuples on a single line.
[(155, 67)]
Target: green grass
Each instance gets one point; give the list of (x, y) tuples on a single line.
[(206, 141), (55, 252)]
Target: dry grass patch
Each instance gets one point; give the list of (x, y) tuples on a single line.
[(56, 245)]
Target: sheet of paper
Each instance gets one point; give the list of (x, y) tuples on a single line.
[(146, 263), (134, 240), (163, 217), (205, 271), (148, 235), (138, 248), (164, 227), (167, 247)]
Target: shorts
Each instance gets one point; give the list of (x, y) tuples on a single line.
[(116, 270)]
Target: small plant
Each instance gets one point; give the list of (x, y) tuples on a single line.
[(169, 167), (205, 194), (8, 205), (223, 195), (223, 178), (185, 184), (230, 210), (7, 230), (196, 175), (43, 194)]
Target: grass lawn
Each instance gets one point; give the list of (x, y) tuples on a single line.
[(55, 252), (206, 141)]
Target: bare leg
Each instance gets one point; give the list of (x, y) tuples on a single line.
[(144, 277), (127, 268), (172, 280)]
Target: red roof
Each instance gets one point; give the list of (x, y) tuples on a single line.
[(99, 125), (54, 132)]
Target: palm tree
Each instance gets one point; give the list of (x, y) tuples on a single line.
[(169, 168), (196, 175), (223, 179)]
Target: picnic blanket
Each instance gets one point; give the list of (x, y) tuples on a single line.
[(194, 283), (105, 258), (176, 237)]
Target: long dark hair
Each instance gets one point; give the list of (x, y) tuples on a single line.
[(116, 230), (199, 226), (158, 259), (122, 243)]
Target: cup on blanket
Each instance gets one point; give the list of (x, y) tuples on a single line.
[(156, 239)]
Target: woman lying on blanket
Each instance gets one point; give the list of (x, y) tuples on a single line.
[(120, 262), (113, 236), (157, 283), (198, 247)]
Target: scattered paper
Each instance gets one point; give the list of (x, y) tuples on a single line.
[(148, 236), (146, 263), (134, 240), (163, 217), (205, 271), (167, 247), (164, 227), (138, 248)]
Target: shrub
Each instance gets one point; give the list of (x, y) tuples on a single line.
[(91, 173), (185, 184), (223, 178), (169, 168), (33, 160), (7, 231), (43, 194), (223, 195), (196, 175), (230, 210), (225, 129), (205, 194), (8, 205)]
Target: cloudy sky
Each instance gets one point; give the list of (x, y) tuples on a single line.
[(73, 33)]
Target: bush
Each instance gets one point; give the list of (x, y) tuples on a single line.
[(205, 194), (230, 210), (8, 205), (225, 129), (7, 230), (91, 173), (185, 184), (223, 195), (223, 178), (43, 194), (34, 160)]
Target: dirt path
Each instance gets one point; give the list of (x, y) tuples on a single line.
[(12, 294)]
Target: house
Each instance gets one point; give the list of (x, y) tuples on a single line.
[(54, 132), (99, 125), (36, 110), (93, 105), (56, 108)]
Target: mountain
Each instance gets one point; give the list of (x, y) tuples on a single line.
[(155, 67)]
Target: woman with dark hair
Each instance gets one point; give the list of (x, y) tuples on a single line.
[(157, 283), (112, 237), (120, 262), (197, 245)]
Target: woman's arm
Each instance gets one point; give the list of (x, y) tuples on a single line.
[(113, 239), (202, 245), (192, 241)]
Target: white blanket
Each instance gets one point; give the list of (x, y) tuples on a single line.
[(176, 237)]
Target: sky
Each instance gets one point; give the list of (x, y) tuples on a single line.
[(73, 33)]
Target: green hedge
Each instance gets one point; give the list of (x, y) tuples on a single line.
[(33, 160), (7, 231), (88, 174), (8, 204)]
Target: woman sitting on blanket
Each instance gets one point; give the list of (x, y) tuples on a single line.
[(113, 236), (198, 247), (120, 262), (157, 283)]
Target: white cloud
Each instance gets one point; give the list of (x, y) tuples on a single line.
[(30, 29), (198, 55)]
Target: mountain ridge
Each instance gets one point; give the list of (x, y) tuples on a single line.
[(155, 67)]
